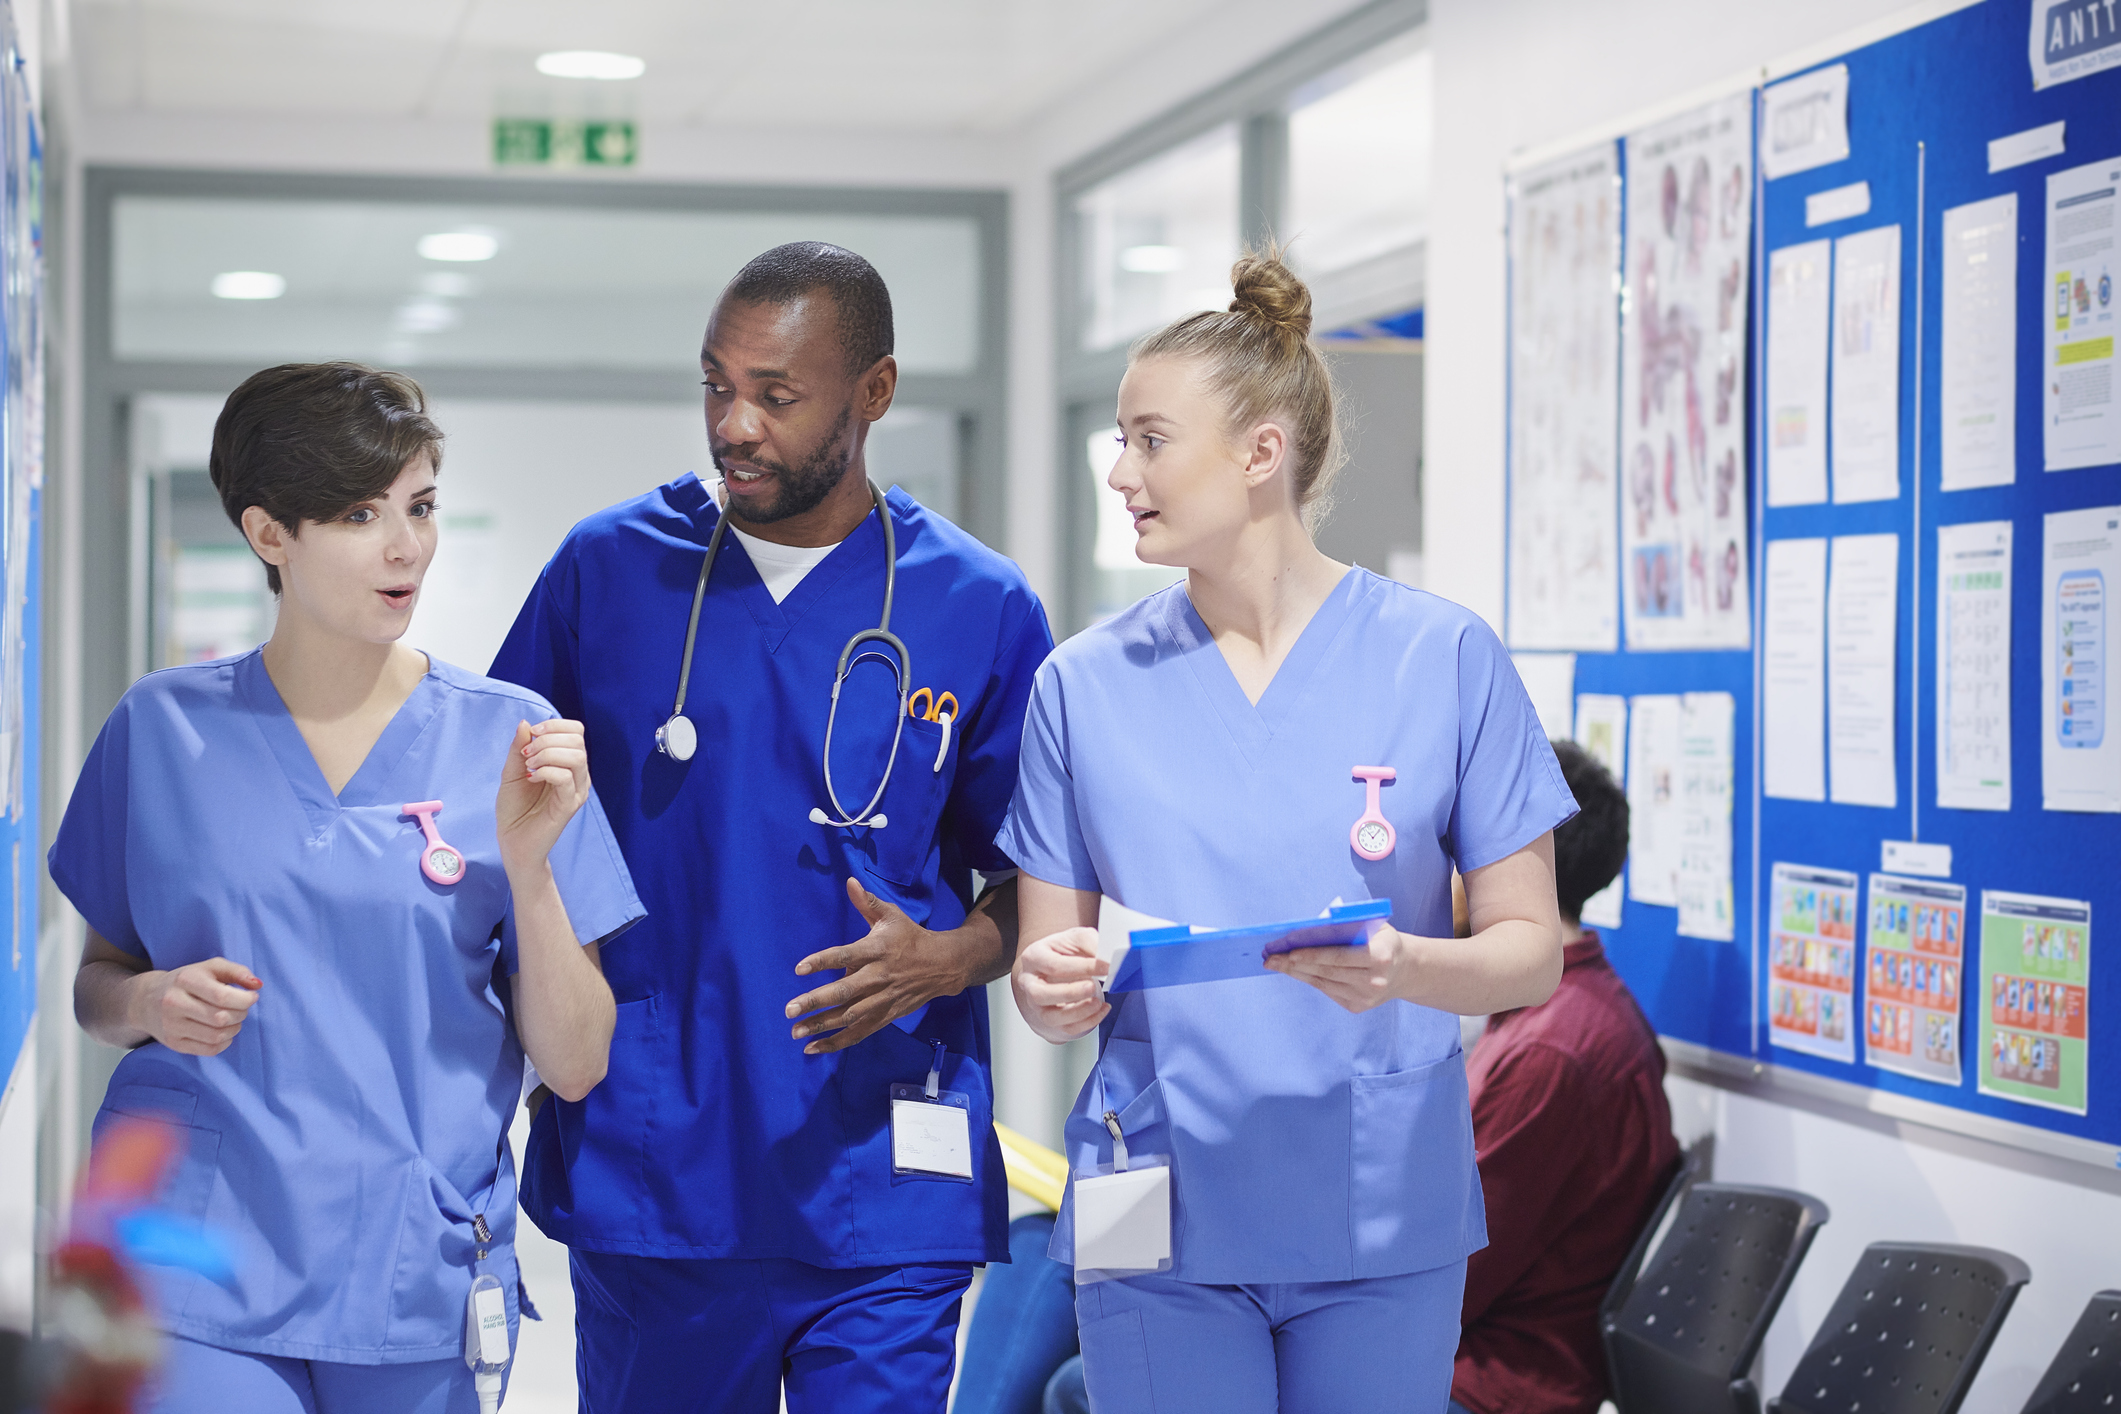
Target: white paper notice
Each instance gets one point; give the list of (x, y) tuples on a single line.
[(1550, 681), (1805, 122), (2080, 563), (1797, 332), (1655, 835), (1564, 407), (1602, 731), (1682, 380), (1793, 695), (2082, 423), (1703, 881), (1866, 378), (1974, 666), (1862, 622), (1980, 374)]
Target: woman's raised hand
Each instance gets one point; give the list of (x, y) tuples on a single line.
[(1055, 983), (197, 1009), (544, 780)]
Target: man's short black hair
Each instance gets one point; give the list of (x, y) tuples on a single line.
[(1590, 849), (310, 441), (788, 272)]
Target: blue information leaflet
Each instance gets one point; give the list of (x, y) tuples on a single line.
[(1174, 956)]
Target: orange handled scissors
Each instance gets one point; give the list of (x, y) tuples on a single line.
[(942, 709), (938, 707)]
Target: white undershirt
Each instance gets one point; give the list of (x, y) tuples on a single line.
[(781, 566)]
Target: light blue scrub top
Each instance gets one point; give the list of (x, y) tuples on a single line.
[(1307, 1144), (344, 1141)]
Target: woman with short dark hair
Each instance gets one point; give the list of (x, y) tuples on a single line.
[(336, 892)]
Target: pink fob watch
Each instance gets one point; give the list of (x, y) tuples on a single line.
[(1372, 835), (440, 860)]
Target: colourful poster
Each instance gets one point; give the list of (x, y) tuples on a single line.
[(1812, 961), (1914, 964), (2036, 958)]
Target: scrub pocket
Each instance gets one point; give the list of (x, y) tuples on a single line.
[(1414, 1193), (190, 1180), (901, 1212), (1124, 1081), (912, 801)]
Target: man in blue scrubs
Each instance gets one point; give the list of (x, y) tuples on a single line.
[(738, 1213)]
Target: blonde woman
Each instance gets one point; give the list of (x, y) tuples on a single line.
[(1223, 753)]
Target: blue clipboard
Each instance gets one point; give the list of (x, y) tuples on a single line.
[(1177, 956)]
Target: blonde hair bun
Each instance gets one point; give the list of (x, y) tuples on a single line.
[(1267, 290)]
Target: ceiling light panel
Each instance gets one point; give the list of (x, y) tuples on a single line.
[(248, 284), (590, 64)]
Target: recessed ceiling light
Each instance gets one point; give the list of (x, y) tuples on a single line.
[(590, 64), (459, 245), (1152, 259), (249, 284)]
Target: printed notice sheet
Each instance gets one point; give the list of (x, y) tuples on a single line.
[(1980, 373), (1793, 693), (1974, 665), (1550, 681), (1862, 625), (1602, 731), (1654, 828), (2081, 420), (1703, 881), (1564, 407), (1866, 374), (1805, 122), (1812, 961), (1682, 380), (1915, 955), (2080, 562), (2036, 959), (1799, 321)]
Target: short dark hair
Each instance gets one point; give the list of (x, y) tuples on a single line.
[(1590, 849), (310, 441), (788, 272)]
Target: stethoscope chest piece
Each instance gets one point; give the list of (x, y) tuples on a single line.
[(1372, 834), (677, 738), (440, 861)]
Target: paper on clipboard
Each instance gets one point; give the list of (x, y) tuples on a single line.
[(1115, 922)]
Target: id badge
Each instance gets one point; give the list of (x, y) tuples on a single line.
[(1123, 1220), (931, 1132)]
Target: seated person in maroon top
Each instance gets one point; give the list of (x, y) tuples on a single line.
[(1575, 1143)]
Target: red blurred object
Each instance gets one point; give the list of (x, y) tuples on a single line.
[(106, 1333)]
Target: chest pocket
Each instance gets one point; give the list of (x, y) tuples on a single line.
[(913, 802)]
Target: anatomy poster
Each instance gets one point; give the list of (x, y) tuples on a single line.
[(1812, 961), (1682, 380), (1564, 346), (1914, 960), (2036, 960)]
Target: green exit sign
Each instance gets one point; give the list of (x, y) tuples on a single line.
[(546, 142)]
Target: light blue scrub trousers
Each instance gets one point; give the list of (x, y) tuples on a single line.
[(1152, 1345), (205, 1379)]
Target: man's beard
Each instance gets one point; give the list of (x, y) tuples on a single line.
[(802, 488)]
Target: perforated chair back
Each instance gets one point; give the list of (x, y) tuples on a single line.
[(1684, 1338), (2086, 1375), (1685, 1171), (1908, 1332)]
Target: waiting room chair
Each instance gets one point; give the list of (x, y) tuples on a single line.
[(1908, 1332), (1682, 1340), (1684, 1173), (2085, 1377)]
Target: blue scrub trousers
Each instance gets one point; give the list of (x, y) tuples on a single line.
[(1023, 1326), (205, 1379), (1152, 1345), (673, 1335)]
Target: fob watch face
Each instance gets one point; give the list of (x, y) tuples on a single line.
[(447, 862), (1372, 838)]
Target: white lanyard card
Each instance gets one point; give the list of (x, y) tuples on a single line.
[(1122, 1218), (931, 1128)]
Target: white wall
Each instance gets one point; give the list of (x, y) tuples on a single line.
[(1516, 74)]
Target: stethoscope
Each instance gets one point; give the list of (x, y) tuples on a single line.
[(678, 739)]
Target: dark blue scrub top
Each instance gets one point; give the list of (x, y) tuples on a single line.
[(713, 1134)]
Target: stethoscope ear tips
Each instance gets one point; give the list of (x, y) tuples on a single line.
[(819, 817)]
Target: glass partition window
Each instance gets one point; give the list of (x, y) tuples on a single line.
[(1121, 577), (249, 281), (1156, 242), (1359, 142)]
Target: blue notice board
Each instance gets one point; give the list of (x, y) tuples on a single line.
[(1923, 106)]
